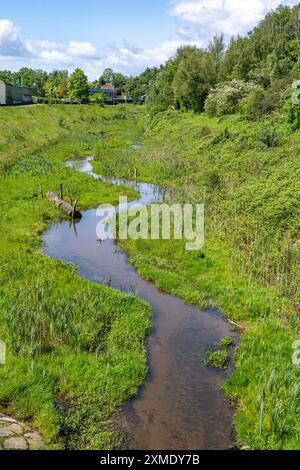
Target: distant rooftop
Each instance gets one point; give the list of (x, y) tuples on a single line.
[(107, 86)]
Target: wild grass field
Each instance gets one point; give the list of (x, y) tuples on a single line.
[(248, 176), (75, 350)]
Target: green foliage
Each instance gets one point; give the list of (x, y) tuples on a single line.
[(251, 106), (75, 349), (107, 76), (78, 86), (34, 79), (226, 343), (225, 98), (218, 359), (266, 57), (293, 106), (98, 98), (293, 115), (193, 78), (249, 267), (269, 137)]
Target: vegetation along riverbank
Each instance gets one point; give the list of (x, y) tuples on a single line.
[(249, 267), (221, 127), (75, 350)]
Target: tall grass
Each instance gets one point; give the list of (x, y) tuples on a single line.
[(75, 349), (250, 265)]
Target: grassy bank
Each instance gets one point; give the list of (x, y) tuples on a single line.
[(248, 175), (75, 350)]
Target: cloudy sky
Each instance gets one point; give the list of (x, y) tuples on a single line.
[(127, 35)]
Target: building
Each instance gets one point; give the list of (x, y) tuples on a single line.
[(111, 94), (121, 99), (108, 90), (13, 95)]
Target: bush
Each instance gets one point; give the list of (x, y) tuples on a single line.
[(218, 359), (250, 107), (225, 98), (293, 115), (226, 343), (269, 138), (41, 100), (293, 106)]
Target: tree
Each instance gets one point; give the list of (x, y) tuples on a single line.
[(107, 76), (119, 82), (216, 50), (78, 86), (194, 76), (160, 92), (7, 77), (34, 79), (58, 77), (98, 98)]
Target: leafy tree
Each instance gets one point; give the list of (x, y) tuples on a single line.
[(107, 76), (216, 50), (34, 79), (58, 77), (293, 106), (193, 78), (78, 86), (62, 90), (161, 93), (98, 98), (225, 98), (7, 77), (119, 82)]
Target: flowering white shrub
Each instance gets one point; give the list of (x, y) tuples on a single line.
[(224, 99)]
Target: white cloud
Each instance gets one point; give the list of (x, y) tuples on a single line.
[(198, 21), (206, 18), (11, 44), (55, 57), (81, 49)]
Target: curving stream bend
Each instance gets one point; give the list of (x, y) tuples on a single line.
[(180, 407)]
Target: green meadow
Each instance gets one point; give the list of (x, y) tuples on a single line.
[(248, 175), (75, 350)]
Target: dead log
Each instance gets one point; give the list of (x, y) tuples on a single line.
[(65, 206)]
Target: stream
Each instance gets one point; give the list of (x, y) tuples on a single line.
[(180, 407)]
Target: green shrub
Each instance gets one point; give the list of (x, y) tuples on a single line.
[(250, 107), (293, 105), (269, 138), (218, 359), (226, 343), (293, 115), (224, 99)]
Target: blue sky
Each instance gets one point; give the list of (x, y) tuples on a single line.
[(128, 35), (141, 22)]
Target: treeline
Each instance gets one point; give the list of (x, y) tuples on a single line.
[(59, 85), (252, 75)]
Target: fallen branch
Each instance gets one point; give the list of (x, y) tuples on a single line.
[(69, 209)]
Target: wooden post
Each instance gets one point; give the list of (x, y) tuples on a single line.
[(74, 208), (61, 194), (135, 173)]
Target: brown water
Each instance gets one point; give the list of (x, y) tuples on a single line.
[(180, 407)]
